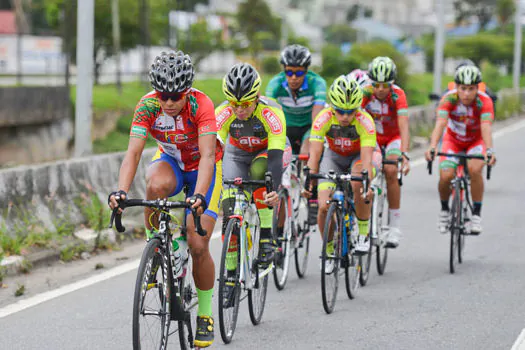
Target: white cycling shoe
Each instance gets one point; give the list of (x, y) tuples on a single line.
[(394, 235), (362, 245), (443, 223)]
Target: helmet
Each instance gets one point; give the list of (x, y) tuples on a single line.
[(466, 62), (360, 76), (296, 56), (345, 93), (382, 70), (467, 75), (242, 83), (171, 72)]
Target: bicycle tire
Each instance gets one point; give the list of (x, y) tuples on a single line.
[(352, 274), (282, 256), (227, 329), (455, 228), (189, 302), (381, 221), (302, 236), (153, 260), (329, 296), (366, 261), (257, 295)]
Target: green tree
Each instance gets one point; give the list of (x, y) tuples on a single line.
[(355, 10), (199, 41), (482, 9), (340, 33), (505, 11), (256, 22), (497, 49)]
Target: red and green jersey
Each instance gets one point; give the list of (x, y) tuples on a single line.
[(464, 122), (177, 136), (387, 112)]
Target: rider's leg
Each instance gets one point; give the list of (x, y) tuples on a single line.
[(163, 179), (393, 152), (475, 167), (362, 210), (447, 172)]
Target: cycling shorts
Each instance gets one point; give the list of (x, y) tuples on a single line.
[(297, 135), (450, 146), (392, 144)]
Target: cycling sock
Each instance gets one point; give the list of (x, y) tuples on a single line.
[(204, 297), (149, 234), (330, 248), (363, 227), (477, 208), (394, 217), (444, 206)]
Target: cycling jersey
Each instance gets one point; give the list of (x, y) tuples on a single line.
[(298, 109), (346, 140), (264, 129), (386, 113), (177, 136), (464, 122)]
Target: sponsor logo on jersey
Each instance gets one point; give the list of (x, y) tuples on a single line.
[(180, 123), (177, 138), (164, 123), (275, 124), (223, 116), (322, 120), (139, 131), (366, 123), (250, 141), (236, 125)]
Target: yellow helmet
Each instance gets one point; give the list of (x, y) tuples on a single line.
[(242, 83), (345, 93)]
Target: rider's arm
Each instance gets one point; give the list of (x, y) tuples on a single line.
[(207, 129), (367, 138), (320, 127), (402, 120), (224, 115), (319, 96), (273, 120), (443, 111), (487, 116), (366, 159)]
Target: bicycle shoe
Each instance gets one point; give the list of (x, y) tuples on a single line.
[(266, 251), (204, 335)]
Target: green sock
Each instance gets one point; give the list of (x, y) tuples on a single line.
[(266, 216), (330, 248), (149, 234), (204, 297), (363, 227)]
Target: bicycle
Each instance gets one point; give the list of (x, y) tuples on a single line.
[(242, 236), (291, 227), (379, 223), (461, 208), (341, 223), (167, 278)]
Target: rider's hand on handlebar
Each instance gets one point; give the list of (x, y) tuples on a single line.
[(199, 205), (114, 198), (406, 166), (271, 199), (492, 160), (428, 154)]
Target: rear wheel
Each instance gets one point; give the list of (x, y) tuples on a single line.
[(330, 279), (302, 234), (455, 232), (380, 219), (352, 273), (229, 285), (282, 230), (151, 303), (257, 300), (189, 302)]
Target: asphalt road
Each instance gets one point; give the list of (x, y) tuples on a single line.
[(417, 304)]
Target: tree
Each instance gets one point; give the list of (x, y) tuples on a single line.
[(254, 18), (482, 9), (340, 33), (497, 49), (199, 41), (356, 9), (130, 25), (505, 11)]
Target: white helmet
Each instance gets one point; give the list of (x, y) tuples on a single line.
[(360, 76)]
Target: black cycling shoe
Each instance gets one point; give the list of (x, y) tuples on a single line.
[(266, 251), (204, 335)]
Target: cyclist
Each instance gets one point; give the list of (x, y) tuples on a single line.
[(467, 115), (387, 103), (300, 92), (256, 133), (182, 121), (351, 137), (361, 76)]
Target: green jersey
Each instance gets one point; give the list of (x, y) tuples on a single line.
[(298, 109)]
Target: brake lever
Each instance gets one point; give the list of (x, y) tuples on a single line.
[(268, 182)]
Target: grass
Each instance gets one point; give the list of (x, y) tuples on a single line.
[(94, 211), (20, 290), (72, 251)]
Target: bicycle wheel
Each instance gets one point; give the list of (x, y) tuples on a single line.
[(455, 229), (257, 300), (366, 261), (380, 219), (301, 233), (151, 302), (229, 285), (282, 256), (330, 279), (352, 274), (189, 302)]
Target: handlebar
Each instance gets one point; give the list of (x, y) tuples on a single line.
[(341, 177), (433, 153), (161, 204), (240, 182)]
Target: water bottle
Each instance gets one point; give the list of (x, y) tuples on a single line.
[(180, 257), (338, 195)]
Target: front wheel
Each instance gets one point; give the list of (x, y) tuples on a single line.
[(257, 300), (188, 300), (151, 302), (282, 227), (302, 234), (380, 221), (331, 257)]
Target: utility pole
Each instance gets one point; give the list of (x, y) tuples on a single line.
[(516, 67), (439, 44), (145, 39), (83, 110), (116, 41)]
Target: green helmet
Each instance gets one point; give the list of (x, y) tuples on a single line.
[(467, 75), (345, 93), (382, 70)]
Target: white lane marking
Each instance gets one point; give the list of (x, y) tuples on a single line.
[(519, 344), (43, 297)]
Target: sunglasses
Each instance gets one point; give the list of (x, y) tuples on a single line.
[(174, 96), (382, 85), (241, 105), (344, 111), (297, 73)]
